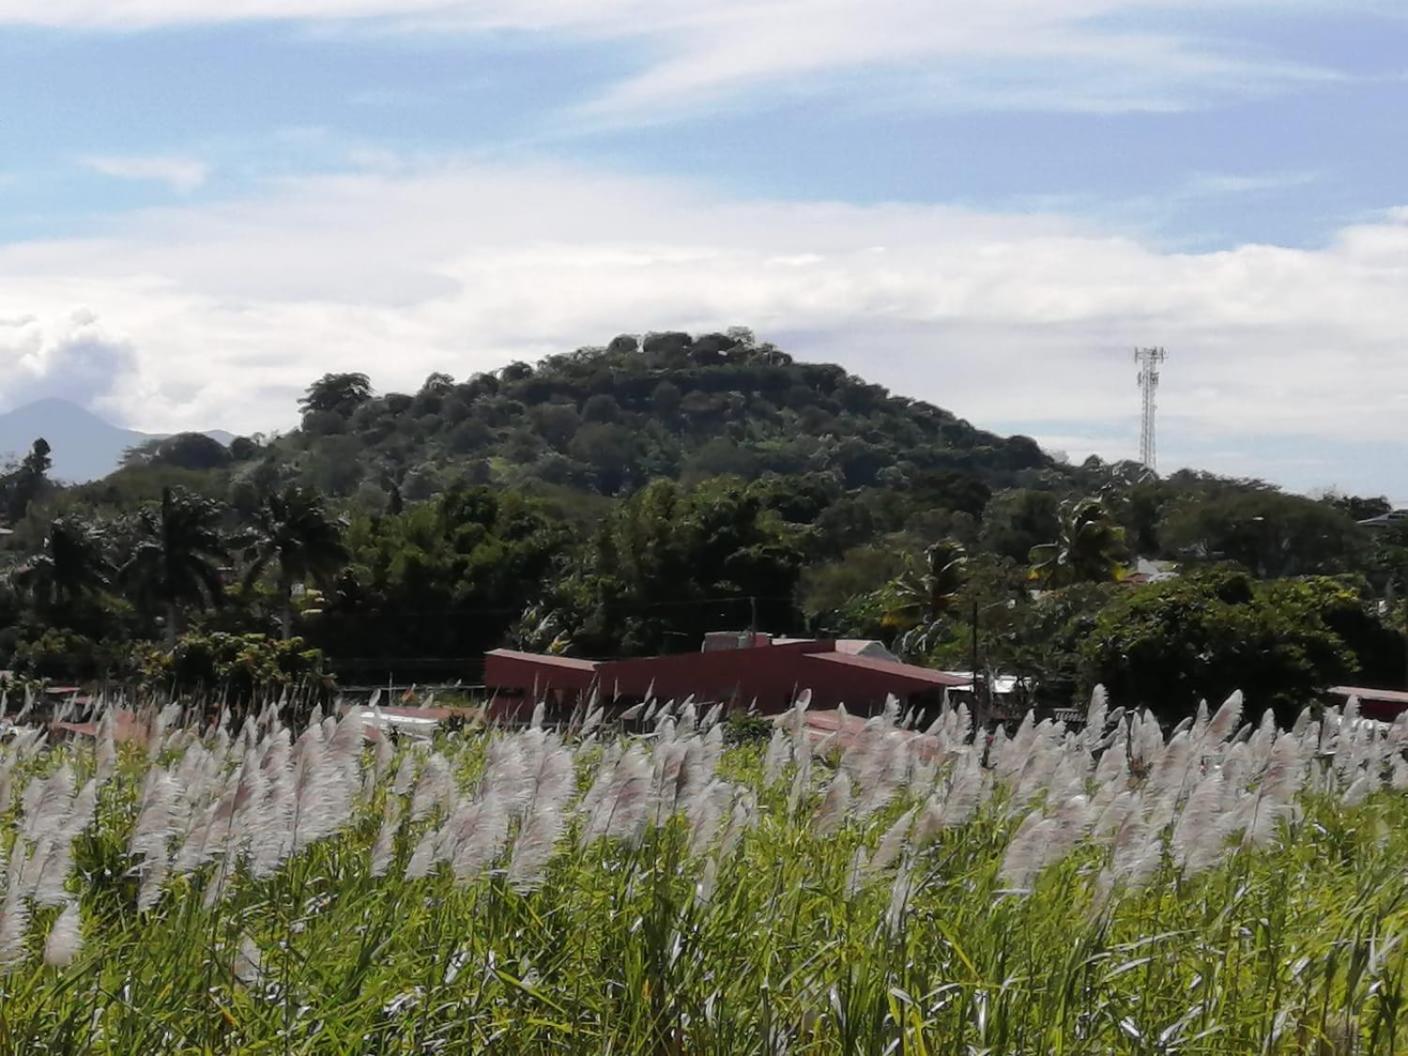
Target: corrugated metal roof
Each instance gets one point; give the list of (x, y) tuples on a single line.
[(1390, 696), (889, 667), (570, 663)]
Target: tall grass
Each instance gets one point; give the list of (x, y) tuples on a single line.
[(1229, 889)]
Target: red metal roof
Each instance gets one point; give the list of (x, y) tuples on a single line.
[(767, 677), (902, 672), (1387, 696), (567, 663)]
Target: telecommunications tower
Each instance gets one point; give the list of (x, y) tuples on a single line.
[(1148, 360)]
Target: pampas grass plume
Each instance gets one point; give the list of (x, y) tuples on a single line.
[(65, 938)]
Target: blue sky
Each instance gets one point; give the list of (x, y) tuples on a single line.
[(205, 206)]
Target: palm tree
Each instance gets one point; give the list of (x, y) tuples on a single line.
[(1089, 549), (175, 561), (921, 598), (294, 535), (71, 565)]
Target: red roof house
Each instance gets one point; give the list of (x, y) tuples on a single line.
[(754, 671)]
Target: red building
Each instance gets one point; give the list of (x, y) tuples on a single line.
[(742, 670), (1384, 705)]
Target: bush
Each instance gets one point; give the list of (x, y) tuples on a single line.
[(239, 667)]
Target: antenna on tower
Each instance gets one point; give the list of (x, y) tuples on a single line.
[(1148, 360)]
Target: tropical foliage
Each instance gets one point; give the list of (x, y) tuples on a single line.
[(632, 497)]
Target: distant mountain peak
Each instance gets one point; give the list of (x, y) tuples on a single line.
[(85, 446)]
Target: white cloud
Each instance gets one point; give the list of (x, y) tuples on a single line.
[(227, 312), (1062, 54), (178, 173), (70, 355)]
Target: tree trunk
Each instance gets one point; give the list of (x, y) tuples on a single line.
[(172, 612), (285, 608)]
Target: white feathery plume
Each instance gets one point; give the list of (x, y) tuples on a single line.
[(881, 768), (1398, 779), (801, 777), (621, 810), (1257, 819), (434, 786), (892, 843), (605, 771), (533, 849), (1010, 756), (1285, 771), (900, 891), (508, 773), (65, 938), (1171, 770), (929, 823), (1199, 727), (47, 807), (1040, 763), (708, 879), (1114, 765), (155, 821), (689, 718), (49, 886), (831, 814), (669, 765), (382, 755), (595, 714), (712, 717), (1112, 818), (1198, 835), (1135, 852), (405, 776), (1026, 853), (1224, 721), (384, 849), (154, 872), (965, 793), (1096, 714), (705, 812), (271, 838), (482, 837), (423, 857), (14, 923), (196, 849), (247, 966), (1358, 790), (779, 748), (745, 808)]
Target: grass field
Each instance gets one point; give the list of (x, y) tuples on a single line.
[(1227, 889)]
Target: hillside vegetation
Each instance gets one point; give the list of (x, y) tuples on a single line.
[(607, 420), (626, 499)]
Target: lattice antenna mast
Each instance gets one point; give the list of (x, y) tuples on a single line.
[(1148, 360)]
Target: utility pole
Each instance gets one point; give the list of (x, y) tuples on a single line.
[(1148, 360), (975, 657)]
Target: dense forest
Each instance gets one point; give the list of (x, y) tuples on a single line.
[(625, 499)]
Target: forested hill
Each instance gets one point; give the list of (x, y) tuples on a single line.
[(609, 419), (626, 500)]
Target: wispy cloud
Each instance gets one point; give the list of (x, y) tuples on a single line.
[(179, 173), (1219, 183), (1102, 55)]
